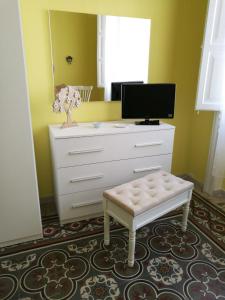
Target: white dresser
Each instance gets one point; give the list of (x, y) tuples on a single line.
[(88, 160)]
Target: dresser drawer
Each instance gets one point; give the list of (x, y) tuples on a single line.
[(93, 149), (93, 176), (81, 204)]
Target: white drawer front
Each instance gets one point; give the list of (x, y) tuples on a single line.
[(80, 204), (93, 176), (85, 150)]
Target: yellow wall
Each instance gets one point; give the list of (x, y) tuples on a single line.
[(196, 130), (172, 58)]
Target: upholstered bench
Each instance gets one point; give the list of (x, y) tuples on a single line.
[(136, 203)]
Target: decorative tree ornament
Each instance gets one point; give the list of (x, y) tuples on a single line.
[(67, 99)]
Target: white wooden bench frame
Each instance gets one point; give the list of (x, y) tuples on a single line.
[(135, 222)]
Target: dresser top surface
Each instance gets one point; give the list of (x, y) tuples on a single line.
[(105, 128)]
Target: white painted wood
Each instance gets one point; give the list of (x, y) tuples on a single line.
[(158, 211), (107, 128), (211, 92), (87, 202), (127, 137), (185, 216), (132, 223), (119, 214), (19, 205), (110, 173), (88, 160), (79, 206), (131, 247), (212, 183), (106, 224)]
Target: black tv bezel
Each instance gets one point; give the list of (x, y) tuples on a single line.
[(120, 84), (147, 117)]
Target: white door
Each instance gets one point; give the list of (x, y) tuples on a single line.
[(19, 202)]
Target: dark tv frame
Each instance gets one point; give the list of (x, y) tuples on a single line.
[(116, 89), (148, 116)]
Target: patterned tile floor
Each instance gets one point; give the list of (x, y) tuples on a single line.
[(71, 262), (217, 199)]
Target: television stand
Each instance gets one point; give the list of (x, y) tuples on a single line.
[(147, 122)]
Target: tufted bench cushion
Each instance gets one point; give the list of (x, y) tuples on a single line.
[(147, 192)]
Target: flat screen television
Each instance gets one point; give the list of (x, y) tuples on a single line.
[(148, 101), (117, 86)]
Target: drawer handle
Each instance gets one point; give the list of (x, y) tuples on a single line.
[(85, 151), (148, 144), (147, 169), (86, 178), (84, 204)]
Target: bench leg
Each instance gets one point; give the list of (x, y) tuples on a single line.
[(185, 216), (132, 239), (106, 228)]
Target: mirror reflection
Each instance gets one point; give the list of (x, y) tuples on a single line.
[(99, 51)]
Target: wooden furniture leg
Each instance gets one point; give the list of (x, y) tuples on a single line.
[(132, 238), (106, 224), (185, 216)]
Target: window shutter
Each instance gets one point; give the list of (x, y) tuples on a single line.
[(100, 50), (211, 85)]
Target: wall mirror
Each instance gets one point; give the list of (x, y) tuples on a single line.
[(94, 50)]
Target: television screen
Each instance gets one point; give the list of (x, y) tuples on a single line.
[(148, 101), (116, 88)]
